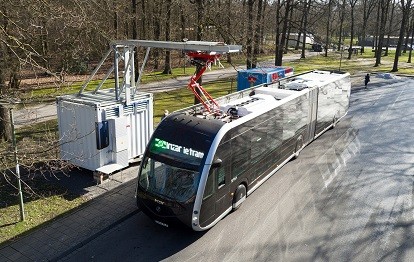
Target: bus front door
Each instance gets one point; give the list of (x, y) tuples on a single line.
[(313, 109), (217, 197)]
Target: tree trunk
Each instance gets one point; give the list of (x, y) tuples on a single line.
[(341, 24), (256, 47), (328, 22), (135, 36), (200, 19), (406, 12), (157, 34), (407, 37), (242, 35), (167, 62), (411, 42), (249, 47), (228, 26), (262, 38), (144, 20), (277, 32), (389, 28), (307, 4), (300, 33), (383, 4), (115, 21), (350, 49), (5, 125), (288, 31), (285, 19), (369, 6)]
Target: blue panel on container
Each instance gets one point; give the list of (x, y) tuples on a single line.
[(257, 76)]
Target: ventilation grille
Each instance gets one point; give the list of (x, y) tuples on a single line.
[(112, 112)]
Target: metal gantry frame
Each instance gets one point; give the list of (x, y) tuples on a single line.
[(124, 50)]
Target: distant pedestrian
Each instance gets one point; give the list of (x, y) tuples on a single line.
[(366, 80)]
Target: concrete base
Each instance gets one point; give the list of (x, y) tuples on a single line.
[(100, 177)]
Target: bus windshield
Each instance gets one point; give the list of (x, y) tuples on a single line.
[(175, 156), (166, 181)]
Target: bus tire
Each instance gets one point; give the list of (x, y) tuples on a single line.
[(334, 121), (239, 196)]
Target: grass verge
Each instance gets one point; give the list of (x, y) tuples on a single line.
[(47, 202)]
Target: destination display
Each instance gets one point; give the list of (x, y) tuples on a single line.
[(162, 145)]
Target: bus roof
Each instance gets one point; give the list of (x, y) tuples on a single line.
[(257, 99)]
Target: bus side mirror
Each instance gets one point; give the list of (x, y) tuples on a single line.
[(216, 163)]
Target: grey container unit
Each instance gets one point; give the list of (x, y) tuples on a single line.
[(99, 133)]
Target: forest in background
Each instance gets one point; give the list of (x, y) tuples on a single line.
[(57, 38)]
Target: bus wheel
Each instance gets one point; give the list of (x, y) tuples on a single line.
[(334, 122), (239, 196), (298, 148)]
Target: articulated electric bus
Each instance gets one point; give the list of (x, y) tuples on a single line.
[(199, 166)]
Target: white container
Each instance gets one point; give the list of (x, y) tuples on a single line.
[(99, 133)]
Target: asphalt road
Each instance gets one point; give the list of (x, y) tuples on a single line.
[(348, 197)]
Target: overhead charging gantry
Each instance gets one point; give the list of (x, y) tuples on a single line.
[(203, 61), (201, 53)]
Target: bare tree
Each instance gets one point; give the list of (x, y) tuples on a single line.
[(167, 62), (280, 46), (306, 7), (328, 23), (228, 26), (157, 32), (407, 36), (352, 3), (259, 22), (342, 13), (249, 38), (383, 6), (200, 31), (289, 28), (405, 7), (390, 26), (368, 7), (200, 18), (411, 41)]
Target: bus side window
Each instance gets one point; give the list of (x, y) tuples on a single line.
[(221, 177), (223, 153)]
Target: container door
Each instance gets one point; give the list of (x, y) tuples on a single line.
[(119, 140)]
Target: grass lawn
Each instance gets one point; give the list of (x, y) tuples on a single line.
[(50, 201), (46, 203), (43, 200), (357, 64)]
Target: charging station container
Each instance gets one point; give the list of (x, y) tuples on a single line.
[(100, 133)]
